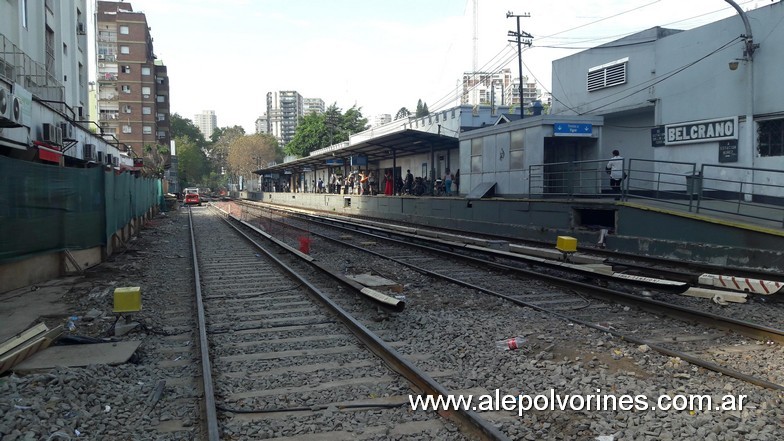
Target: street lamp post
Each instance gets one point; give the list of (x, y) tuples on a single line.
[(748, 57)]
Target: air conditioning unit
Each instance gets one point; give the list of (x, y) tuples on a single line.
[(115, 161), (101, 56), (81, 29), (109, 158), (58, 135), (100, 158), (49, 133), (67, 130), (89, 152), (10, 109), (5, 104)]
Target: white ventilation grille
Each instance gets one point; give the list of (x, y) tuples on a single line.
[(607, 75)]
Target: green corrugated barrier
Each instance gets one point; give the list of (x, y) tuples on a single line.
[(46, 208)]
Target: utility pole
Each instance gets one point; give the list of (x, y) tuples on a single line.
[(522, 38)]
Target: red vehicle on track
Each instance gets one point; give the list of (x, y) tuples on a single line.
[(192, 198)]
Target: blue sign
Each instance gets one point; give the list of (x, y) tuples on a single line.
[(569, 129), (334, 161)]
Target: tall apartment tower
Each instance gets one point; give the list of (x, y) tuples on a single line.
[(284, 109), (133, 89), (313, 105), (486, 87), (207, 122)]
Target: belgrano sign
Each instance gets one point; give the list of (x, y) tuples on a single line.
[(701, 131)]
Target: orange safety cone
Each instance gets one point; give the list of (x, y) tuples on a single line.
[(304, 245)]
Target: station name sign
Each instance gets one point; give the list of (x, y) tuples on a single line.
[(701, 131)]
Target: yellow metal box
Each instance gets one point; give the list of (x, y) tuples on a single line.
[(566, 244), (128, 299)]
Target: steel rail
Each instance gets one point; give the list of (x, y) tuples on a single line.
[(697, 267), (468, 420), (213, 432), (749, 329), (744, 328)]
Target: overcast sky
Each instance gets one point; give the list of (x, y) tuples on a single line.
[(378, 54)]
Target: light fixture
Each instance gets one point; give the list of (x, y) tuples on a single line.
[(734, 65)]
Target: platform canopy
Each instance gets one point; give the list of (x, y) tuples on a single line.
[(402, 143)]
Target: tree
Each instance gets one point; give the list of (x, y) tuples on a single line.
[(252, 152), (402, 113), (421, 109), (218, 150), (319, 131), (184, 127), (192, 162), (156, 158)]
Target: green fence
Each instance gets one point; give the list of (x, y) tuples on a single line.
[(46, 208)]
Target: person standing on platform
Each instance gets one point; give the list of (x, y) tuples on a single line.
[(409, 182), (448, 183), (388, 184), (615, 170)]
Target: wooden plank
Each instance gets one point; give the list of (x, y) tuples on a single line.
[(22, 337), (25, 351)]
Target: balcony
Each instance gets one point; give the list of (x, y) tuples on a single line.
[(17, 67)]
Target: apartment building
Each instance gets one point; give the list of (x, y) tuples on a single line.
[(207, 122), (133, 87), (284, 109)]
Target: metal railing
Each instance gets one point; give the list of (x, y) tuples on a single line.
[(17, 67), (732, 191), (567, 179)]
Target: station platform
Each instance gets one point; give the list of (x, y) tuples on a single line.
[(720, 233)]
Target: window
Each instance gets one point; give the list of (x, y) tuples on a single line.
[(161, 117), (126, 69), (127, 109), (126, 129), (125, 50), (146, 110), (160, 98), (516, 150), (146, 91), (65, 49), (23, 10), (770, 137), (607, 75), (477, 146), (126, 88), (146, 71), (147, 130), (124, 30)]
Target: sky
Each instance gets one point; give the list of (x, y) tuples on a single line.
[(379, 55)]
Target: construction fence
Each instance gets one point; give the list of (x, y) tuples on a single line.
[(46, 208)]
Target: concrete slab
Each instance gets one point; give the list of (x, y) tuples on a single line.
[(19, 309), (80, 355)]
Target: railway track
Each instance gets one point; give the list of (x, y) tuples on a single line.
[(284, 360), (717, 343)]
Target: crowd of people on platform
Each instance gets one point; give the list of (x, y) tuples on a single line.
[(366, 183)]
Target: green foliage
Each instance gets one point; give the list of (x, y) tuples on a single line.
[(192, 162), (183, 127), (318, 131), (421, 109), (402, 113)]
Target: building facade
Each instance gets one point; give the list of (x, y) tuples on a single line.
[(497, 89), (284, 109), (262, 124), (207, 122), (133, 89), (691, 96), (313, 105), (45, 105), (381, 119)]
